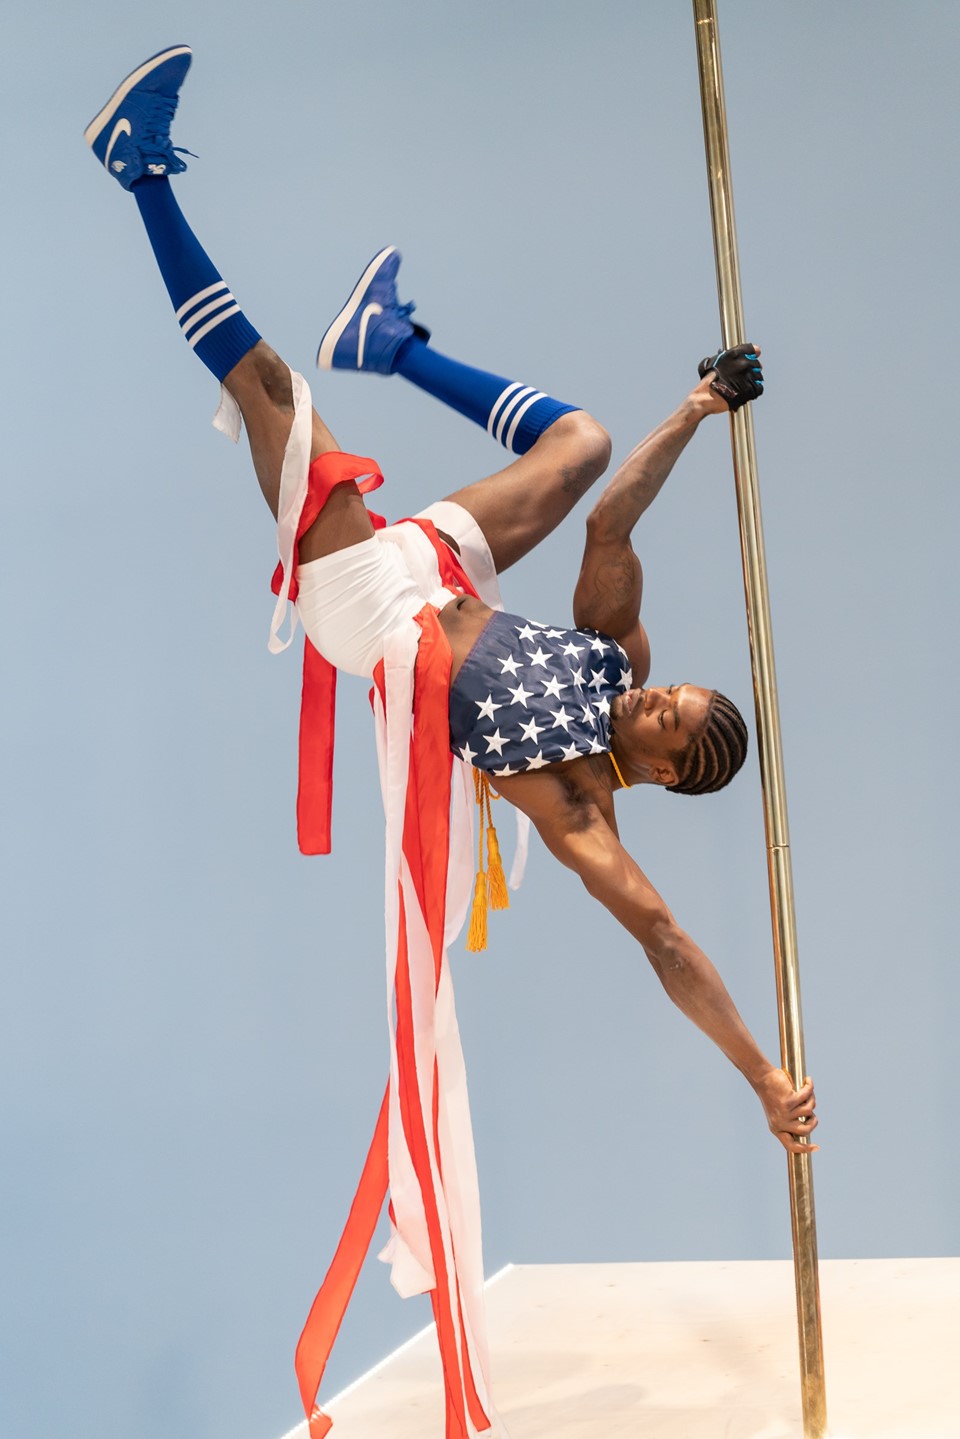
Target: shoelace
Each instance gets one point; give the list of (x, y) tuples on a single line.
[(158, 113)]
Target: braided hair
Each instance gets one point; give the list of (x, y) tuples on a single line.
[(711, 759)]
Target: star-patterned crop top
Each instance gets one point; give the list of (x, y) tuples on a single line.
[(528, 695)]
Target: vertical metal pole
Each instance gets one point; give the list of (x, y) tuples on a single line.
[(813, 1390)]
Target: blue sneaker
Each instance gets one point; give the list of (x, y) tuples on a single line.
[(371, 327), (131, 135)]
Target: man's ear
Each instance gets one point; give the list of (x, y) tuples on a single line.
[(664, 772)]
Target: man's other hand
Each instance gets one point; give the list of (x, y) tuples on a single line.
[(733, 376), (790, 1112)]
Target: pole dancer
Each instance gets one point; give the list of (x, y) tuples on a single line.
[(558, 718)]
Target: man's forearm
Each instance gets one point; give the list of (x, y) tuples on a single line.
[(696, 988), (640, 478)]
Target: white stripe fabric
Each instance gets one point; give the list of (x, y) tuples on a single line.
[(198, 297), (212, 324), (217, 304), (220, 305), (509, 409), (519, 416), (511, 389), (294, 478), (437, 1045), (437, 1048)]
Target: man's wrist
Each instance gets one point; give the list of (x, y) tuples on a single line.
[(759, 1074), (702, 402)]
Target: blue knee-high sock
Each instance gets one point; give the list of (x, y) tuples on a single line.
[(514, 414), (211, 320)]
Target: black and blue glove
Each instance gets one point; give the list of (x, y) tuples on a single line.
[(738, 378)]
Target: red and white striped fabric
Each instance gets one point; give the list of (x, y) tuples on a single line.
[(422, 1151)]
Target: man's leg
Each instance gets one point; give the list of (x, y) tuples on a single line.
[(131, 138), (562, 449), (521, 505), (260, 384)]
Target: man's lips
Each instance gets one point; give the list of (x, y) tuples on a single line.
[(629, 701)]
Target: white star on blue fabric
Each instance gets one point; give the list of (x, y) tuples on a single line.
[(538, 761), (467, 754), (626, 677), (495, 741), (597, 683), (486, 708), (571, 649), (578, 679), (597, 644), (553, 634), (597, 748), (553, 687), (509, 666), (530, 731), (589, 715), (540, 658), (560, 717), (526, 633), (603, 705), (571, 752), (520, 695), (503, 773)]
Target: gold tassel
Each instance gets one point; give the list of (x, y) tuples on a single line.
[(490, 889), (496, 879), (477, 933)]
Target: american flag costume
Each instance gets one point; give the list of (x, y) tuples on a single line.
[(529, 695), (422, 1152)]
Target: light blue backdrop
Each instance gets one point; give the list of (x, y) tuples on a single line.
[(193, 1039)]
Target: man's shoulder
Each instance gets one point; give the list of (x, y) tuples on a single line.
[(570, 795)]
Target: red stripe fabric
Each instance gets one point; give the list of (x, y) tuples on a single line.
[(446, 1216), (425, 850), (319, 690)]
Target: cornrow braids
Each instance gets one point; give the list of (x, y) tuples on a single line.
[(714, 755)]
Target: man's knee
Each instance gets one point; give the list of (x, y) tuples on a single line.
[(261, 379), (586, 447)]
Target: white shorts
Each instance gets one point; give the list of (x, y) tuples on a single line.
[(350, 600)]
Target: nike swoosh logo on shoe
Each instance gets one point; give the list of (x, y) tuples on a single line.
[(333, 333), (122, 127), (365, 319)]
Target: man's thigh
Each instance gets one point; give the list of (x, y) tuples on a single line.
[(454, 521)]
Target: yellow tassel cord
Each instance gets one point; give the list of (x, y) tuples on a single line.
[(490, 890), (477, 933)]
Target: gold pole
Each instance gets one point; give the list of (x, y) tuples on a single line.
[(803, 1219)]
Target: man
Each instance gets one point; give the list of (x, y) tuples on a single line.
[(683, 737), (558, 718)]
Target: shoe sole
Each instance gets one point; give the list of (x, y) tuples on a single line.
[(100, 121), (331, 337)]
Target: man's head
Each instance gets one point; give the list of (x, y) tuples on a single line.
[(687, 739)]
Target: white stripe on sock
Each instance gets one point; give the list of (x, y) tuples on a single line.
[(200, 295), (508, 410), (212, 324), (205, 310), (493, 413), (519, 416)]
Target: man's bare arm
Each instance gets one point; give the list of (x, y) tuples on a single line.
[(609, 588), (582, 839)]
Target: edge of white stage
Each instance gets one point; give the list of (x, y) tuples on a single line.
[(688, 1351)]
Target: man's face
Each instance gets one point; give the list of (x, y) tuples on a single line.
[(652, 725)]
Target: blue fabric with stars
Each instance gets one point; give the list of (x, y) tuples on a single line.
[(528, 695)]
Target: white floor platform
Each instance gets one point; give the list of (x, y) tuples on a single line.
[(690, 1351)]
